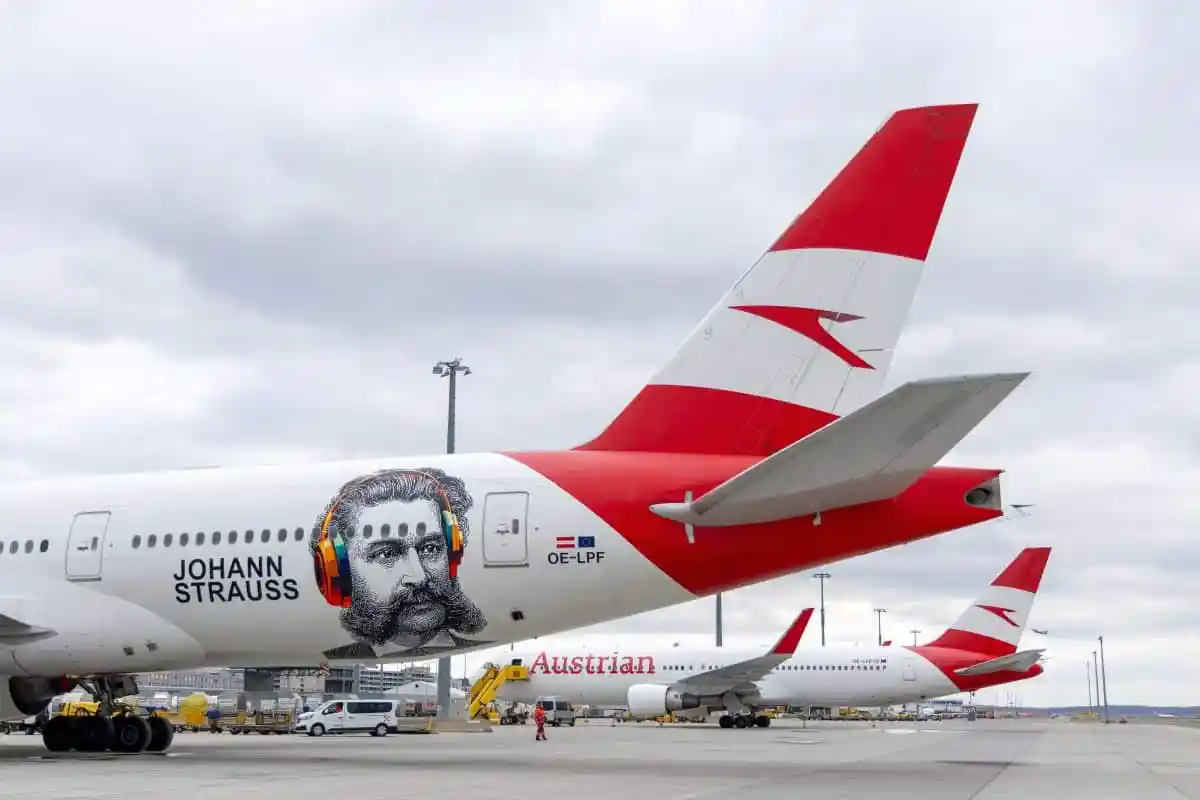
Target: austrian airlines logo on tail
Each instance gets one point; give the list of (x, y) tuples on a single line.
[(1002, 613), (807, 323)]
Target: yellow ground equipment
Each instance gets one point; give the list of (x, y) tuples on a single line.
[(483, 692), (77, 708), (193, 712)]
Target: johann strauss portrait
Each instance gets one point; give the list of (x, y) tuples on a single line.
[(404, 593)]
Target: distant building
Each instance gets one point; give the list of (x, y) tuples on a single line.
[(293, 680), (212, 680), (374, 679), (422, 692)]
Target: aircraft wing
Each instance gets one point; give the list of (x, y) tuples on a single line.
[(742, 675), (1017, 662), (873, 453), (14, 632)]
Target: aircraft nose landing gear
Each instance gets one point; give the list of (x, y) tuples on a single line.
[(113, 727)]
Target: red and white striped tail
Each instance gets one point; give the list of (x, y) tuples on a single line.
[(994, 624), (808, 333)]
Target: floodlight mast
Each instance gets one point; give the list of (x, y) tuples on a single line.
[(451, 370)]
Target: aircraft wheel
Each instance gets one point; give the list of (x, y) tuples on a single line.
[(762, 721), (93, 734), (161, 735), (131, 734), (725, 721), (739, 722), (59, 734)]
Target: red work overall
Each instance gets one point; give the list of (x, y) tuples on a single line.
[(539, 718)]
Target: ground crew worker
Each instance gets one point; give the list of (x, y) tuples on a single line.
[(214, 720), (539, 718)]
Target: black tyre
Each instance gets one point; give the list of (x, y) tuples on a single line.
[(130, 734), (94, 734), (161, 735), (59, 734)]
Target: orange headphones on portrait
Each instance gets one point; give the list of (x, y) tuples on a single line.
[(331, 559)]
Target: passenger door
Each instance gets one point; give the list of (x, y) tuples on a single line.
[(356, 716), (334, 718), (910, 670), (85, 545), (505, 542)]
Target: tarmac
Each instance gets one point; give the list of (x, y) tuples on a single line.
[(1011, 758)]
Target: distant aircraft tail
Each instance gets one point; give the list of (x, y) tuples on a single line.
[(807, 334), (993, 625)]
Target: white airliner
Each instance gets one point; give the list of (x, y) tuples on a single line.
[(978, 651), (758, 450)]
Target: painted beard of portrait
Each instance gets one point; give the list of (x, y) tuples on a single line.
[(403, 589)]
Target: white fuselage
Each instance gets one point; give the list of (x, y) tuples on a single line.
[(117, 603), (823, 677)]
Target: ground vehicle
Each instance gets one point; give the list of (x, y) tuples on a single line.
[(377, 717), (559, 711)]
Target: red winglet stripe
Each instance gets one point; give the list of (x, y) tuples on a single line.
[(890, 197), (791, 638), (691, 419), (1025, 572), (971, 642)]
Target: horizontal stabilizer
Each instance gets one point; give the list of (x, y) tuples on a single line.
[(13, 632), (874, 453), (1017, 662)]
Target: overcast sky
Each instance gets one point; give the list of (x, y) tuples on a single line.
[(241, 233)]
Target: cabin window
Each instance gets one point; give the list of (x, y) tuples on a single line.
[(421, 529), (137, 541), (151, 540), (29, 545), (299, 534), (216, 537), (183, 540), (233, 537), (283, 534), (12, 546), (249, 539), (167, 540), (385, 530), (265, 536), (366, 531), (199, 538), (402, 529), (45, 545)]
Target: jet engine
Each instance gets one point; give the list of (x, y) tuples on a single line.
[(28, 697), (647, 700)]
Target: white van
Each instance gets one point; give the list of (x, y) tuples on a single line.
[(377, 717)]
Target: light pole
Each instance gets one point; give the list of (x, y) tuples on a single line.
[(1096, 672), (1088, 664), (822, 577), (451, 370), (718, 619), (1104, 679), (914, 633), (879, 612)]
